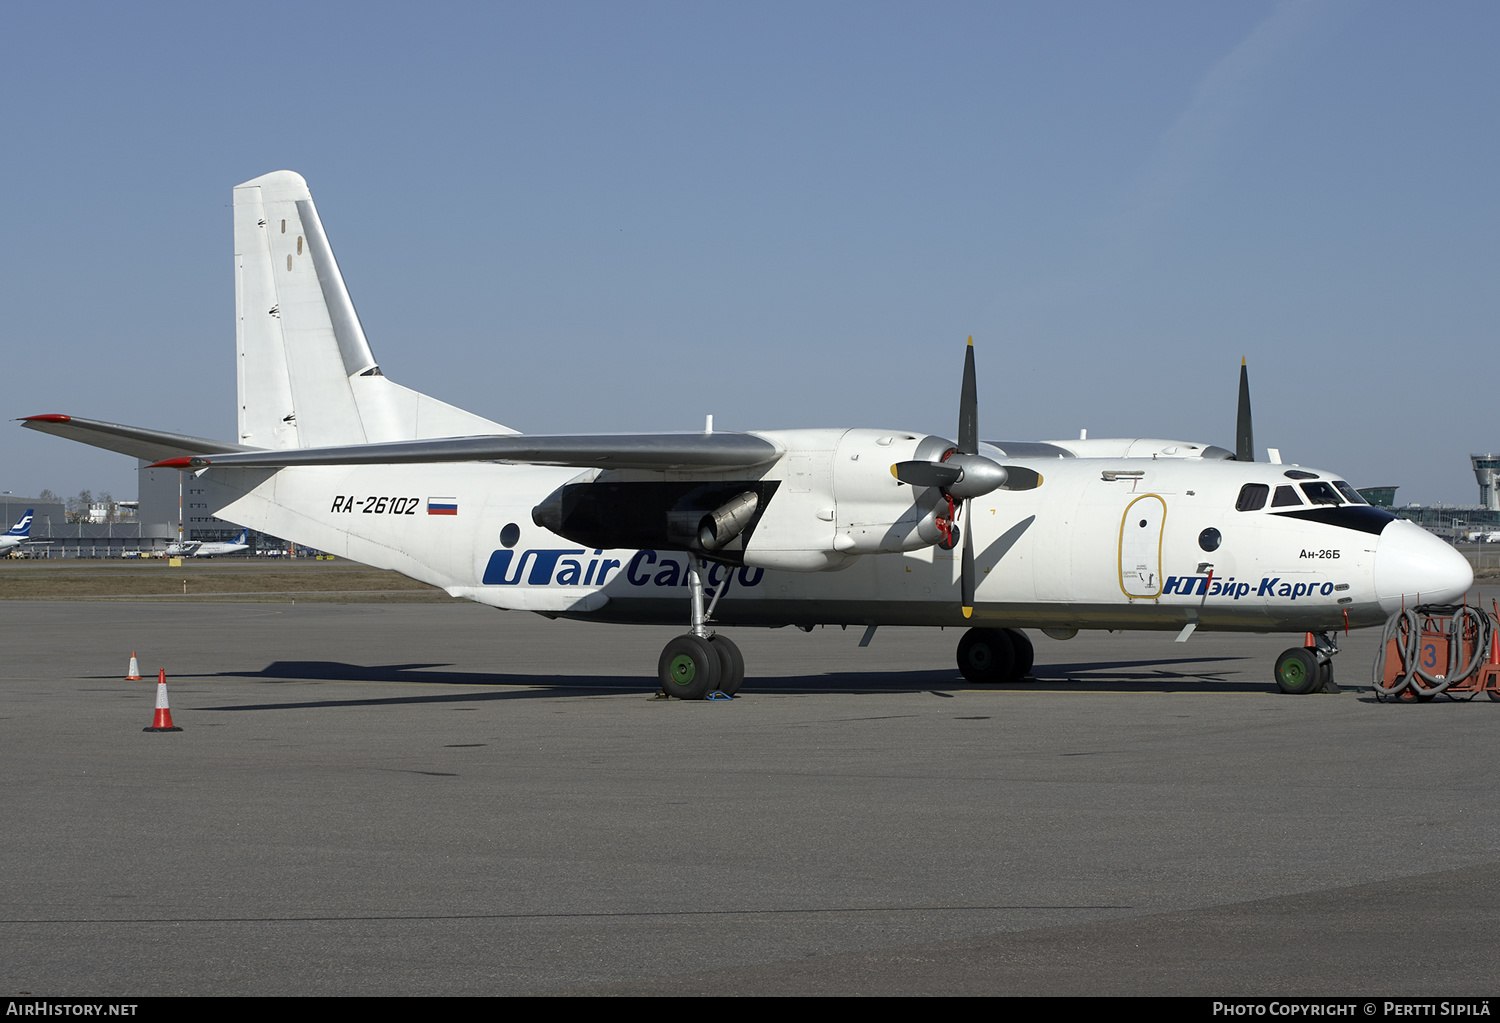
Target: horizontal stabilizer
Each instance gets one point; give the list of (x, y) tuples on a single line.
[(656, 451), (152, 445)]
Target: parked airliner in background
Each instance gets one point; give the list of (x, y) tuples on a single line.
[(12, 539), (207, 548), (864, 527)]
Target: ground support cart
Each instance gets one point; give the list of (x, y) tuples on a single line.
[(1439, 649)]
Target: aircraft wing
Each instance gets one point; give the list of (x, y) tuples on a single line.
[(658, 451), (152, 445)]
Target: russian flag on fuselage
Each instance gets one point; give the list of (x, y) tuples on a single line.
[(442, 506)]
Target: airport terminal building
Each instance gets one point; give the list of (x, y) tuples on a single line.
[(170, 508)]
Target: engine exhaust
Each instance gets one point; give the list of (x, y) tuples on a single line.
[(727, 521)]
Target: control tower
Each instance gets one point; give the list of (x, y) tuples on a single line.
[(1487, 472)]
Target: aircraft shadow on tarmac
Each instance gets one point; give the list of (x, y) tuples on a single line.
[(1112, 676)]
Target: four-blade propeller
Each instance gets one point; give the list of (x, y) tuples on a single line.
[(962, 474)]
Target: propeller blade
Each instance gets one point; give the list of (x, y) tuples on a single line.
[(927, 474), (966, 580), (1019, 477), (968, 406), (1244, 435)]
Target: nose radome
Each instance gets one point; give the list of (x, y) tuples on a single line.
[(1412, 565)]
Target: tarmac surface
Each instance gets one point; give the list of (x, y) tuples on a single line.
[(444, 799)]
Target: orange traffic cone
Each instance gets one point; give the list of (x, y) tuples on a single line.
[(133, 673), (1310, 642), (163, 720)]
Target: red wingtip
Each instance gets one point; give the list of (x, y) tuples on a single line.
[(181, 462), (49, 418)]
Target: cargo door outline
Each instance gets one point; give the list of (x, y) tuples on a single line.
[(1140, 547)]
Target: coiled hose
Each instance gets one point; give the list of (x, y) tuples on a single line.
[(1464, 623)]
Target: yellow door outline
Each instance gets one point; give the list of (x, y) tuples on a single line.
[(1120, 551)]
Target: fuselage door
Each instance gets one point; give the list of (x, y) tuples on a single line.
[(1140, 547)]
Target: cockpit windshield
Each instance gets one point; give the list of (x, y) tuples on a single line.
[(1255, 496), (1350, 494), (1321, 493)]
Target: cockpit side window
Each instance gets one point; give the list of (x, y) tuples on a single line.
[(1320, 493), (1285, 496), (1350, 494), (1252, 497)]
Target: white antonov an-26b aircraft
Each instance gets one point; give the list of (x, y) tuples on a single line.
[(863, 527)]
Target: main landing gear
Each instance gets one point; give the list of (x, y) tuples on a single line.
[(700, 662), (989, 656), (1308, 669)]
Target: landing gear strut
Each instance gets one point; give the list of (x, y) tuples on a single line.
[(701, 662), (1308, 669), (989, 656)]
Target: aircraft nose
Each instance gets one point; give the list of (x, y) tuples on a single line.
[(1412, 565)]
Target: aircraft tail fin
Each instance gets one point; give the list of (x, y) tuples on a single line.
[(23, 526), (244, 538), (306, 374)]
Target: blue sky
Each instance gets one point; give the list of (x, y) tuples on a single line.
[(622, 216)]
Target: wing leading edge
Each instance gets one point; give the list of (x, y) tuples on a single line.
[(152, 445), (656, 451)]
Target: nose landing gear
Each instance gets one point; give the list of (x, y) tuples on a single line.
[(1308, 669), (700, 663)]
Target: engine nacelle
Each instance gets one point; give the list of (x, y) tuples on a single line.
[(829, 498), (837, 499)]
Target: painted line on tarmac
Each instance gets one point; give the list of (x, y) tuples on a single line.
[(826, 911)]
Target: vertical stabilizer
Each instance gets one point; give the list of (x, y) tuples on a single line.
[(307, 377)]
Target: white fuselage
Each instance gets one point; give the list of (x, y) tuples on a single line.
[(1118, 543)]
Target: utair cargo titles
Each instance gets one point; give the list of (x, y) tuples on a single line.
[(646, 568), (1267, 587), (560, 567)]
